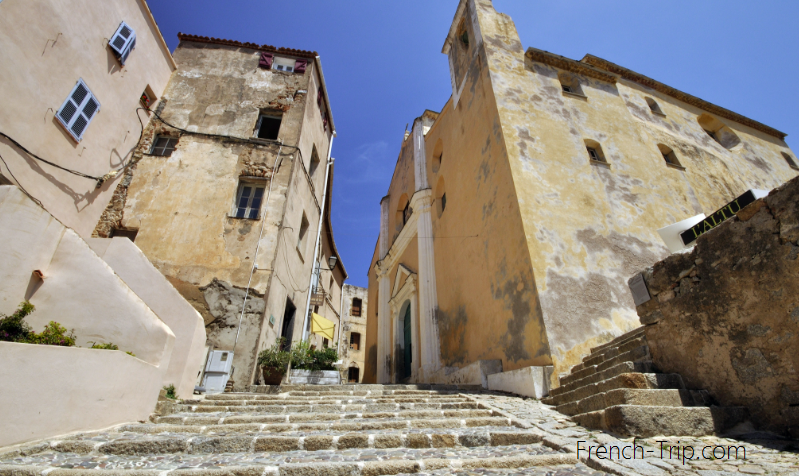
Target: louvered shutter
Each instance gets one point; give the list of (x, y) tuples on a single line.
[(123, 41), (266, 60), (300, 65), (78, 110)]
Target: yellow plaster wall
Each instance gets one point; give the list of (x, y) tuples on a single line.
[(588, 227)]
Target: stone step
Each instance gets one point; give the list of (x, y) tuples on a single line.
[(338, 400), (648, 421), (371, 387), (639, 354), (600, 401), (351, 424), (317, 393), (606, 354), (625, 380), (626, 336), (349, 462), (618, 369), (202, 444), (351, 408), (195, 419)]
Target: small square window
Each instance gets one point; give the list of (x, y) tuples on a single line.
[(593, 154), (163, 146), (284, 64), (248, 200), (268, 126), (566, 88)]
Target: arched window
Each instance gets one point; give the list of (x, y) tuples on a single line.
[(438, 155), (403, 213), (654, 106), (595, 152), (669, 156), (718, 131), (441, 196)]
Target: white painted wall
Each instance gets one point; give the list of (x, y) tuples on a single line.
[(49, 390), (130, 264)]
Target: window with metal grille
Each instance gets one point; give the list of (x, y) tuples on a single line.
[(355, 310), (78, 110), (355, 341), (122, 42), (163, 146), (268, 126), (248, 200)]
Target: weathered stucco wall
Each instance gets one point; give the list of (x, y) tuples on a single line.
[(182, 205), (589, 226), (52, 44), (726, 315)]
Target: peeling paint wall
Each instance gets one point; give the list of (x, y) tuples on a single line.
[(536, 242), (588, 226), (182, 205)]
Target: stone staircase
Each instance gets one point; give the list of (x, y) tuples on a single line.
[(617, 388), (306, 430)]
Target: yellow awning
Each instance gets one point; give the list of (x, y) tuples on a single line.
[(323, 327)]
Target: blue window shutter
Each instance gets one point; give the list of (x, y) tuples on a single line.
[(78, 110), (123, 41)]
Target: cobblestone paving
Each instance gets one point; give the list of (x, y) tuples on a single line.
[(765, 454)]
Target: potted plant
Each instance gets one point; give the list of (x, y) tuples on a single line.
[(273, 362)]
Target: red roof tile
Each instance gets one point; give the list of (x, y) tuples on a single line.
[(219, 41)]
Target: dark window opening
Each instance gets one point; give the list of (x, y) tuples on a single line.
[(790, 161), (314, 162), (248, 200), (465, 37), (594, 155), (163, 146), (653, 106), (268, 127), (355, 341), (406, 213), (288, 325), (355, 310), (325, 343), (124, 233), (354, 375), (303, 231), (443, 202), (566, 88)]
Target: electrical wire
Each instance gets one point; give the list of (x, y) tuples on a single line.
[(74, 172), (20, 184)]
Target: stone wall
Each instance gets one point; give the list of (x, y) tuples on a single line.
[(353, 357), (725, 316)]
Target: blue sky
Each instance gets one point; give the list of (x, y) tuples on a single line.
[(383, 66)]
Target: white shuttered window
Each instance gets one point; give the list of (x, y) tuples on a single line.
[(123, 41), (78, 110)]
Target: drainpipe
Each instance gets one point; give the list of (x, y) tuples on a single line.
[(318, 240)]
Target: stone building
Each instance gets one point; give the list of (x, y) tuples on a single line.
[(228, 192), (76, 78), (517, 213), (351, 346)]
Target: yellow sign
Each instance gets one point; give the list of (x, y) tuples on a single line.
[(321, 326)]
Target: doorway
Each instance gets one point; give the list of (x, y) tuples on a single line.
[(407, 345), (288, 324), (354, 374)]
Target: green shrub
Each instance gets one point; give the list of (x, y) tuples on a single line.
[(305, 358), (108, 346), (13, 328), (170, 391), (274, 357), (53, 334)]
